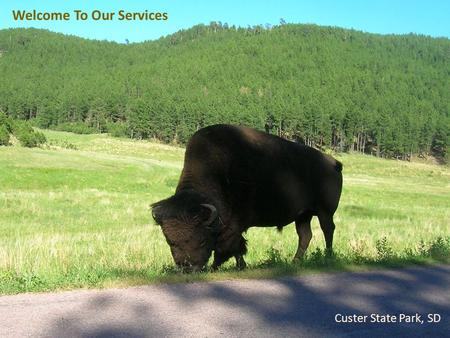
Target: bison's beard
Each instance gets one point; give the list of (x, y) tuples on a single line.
[(190, 259)]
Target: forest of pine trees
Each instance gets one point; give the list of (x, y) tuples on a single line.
[(386, 95)]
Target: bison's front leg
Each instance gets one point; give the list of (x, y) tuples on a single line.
[(235, 246), (219, 259), (240, 262)]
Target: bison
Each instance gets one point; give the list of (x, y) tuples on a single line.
[(235, 178)]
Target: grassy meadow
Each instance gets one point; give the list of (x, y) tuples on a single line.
[(75, 213)]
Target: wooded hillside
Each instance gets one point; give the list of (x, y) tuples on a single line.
[(328, 87)]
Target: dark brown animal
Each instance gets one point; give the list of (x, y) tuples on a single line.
[(235, 178)]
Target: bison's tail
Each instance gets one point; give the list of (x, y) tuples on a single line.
[(338, 166), (279, 228)]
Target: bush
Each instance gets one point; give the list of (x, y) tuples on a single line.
[(439, 248), (5, 121), (384, 250), (76, 127), (20, 126), (26, 134), (4, 136), (118, 129), (61, 144), (30, 140)]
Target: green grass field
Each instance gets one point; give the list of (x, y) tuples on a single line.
[(75, 213)]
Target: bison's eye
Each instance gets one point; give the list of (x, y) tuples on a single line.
[(194, 211)]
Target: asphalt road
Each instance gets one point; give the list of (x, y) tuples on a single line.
[(305, 306)]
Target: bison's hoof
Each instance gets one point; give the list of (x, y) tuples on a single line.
[(214, 268), (241, 266)]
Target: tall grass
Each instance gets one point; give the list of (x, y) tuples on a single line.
[(76, 214)]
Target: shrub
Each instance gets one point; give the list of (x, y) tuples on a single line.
[(274, 258), (422, 248), (61, 144), (26, 134), (30, 140), (439, 248), (4, 136), (317, 257), (358, 250), (384, 250), (118, 129), (20, 126), (5, 121), (76, 127)]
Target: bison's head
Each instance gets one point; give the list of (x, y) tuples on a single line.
[(190, 224)]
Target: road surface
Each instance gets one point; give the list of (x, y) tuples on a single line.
[(304, 306)]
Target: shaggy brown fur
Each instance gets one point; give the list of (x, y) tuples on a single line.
[(251, 179)]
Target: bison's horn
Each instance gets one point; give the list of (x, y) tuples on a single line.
[(156, 214), (212, 216)]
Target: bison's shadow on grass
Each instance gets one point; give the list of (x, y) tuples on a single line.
[(373, 212), (304, 306)]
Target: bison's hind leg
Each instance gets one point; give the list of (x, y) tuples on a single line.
[(327, 225), (303, 227)]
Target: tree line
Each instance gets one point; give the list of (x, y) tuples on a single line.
[(386, 95)]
